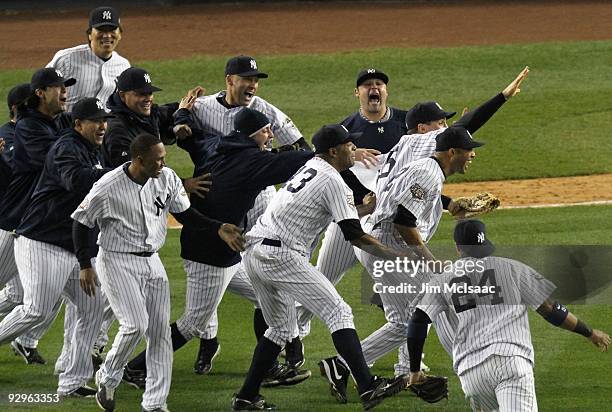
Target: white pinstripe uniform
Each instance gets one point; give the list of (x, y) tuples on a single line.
[(282, 273), (212, 117), (417, 187), (492, 350), (95, 77), (133, 219)]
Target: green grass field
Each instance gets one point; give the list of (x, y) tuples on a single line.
[(558, 126), (570, 373)]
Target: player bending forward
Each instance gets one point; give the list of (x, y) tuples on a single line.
[(492, 351), (277, 262)]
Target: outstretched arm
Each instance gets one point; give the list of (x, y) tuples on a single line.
[(558, 315)]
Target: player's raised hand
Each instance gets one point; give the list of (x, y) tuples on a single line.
[(367, 157), (198, 186), (88, 280), (232, 235), (182, 131), (189, 99), (515, 87), (600, 339)]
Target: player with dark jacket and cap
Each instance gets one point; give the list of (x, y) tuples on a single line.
[(242, 168), (36, 130), (44, 250)]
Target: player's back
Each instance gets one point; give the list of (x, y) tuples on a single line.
[(492, 318), (304, 206)]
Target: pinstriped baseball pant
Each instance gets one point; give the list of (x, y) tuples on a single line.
[(206, 285), (12, 293), (500, 383), (138, 291), (48, 272), (280, 276), (241, 284)]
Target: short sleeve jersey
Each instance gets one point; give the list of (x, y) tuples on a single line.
[(314, 197), (132, 217)]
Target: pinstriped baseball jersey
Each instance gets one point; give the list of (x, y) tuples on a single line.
[(411, 147), (124, 227), (95, 77), (305, 206), (417, 187), (213, 117), (494, 321)]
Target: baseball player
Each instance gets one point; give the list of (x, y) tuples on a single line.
[(35, 131), (492, 350), (130, 206), (96, 64), (214, 115), (406, 215), (242, 168), (44, 249), (381, 127), (12, 294), (277, 262), (425, 122)]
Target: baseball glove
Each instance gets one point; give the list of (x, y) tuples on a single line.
[(478, 204), (433, 389)]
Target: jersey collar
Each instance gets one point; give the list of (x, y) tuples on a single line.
[(386, 117)]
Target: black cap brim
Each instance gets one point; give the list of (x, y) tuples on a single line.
[(70, 82), (254, 73), (148, 89), (472, 145), (368, 76), (478, 251), (95, 26), (448, 115)]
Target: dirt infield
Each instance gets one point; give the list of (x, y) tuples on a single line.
[(30, 40)]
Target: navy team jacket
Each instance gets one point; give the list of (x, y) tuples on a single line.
[(240, 171), (71, 168)]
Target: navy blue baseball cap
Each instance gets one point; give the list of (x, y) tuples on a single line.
[(104, 16), (331, 136), (90, 108), (471, 238), (49, 77), (243, 66), (18, 94), (371, 73), (455, 138), (249, 121), (426, 112), (137, 80)]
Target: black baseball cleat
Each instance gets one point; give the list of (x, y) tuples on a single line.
[(29, 355), (82, 392), (283, 375), (208, 352), (380, 389), (134, 377), (294, 353), (337, 374), (257, 404), (105, 397)]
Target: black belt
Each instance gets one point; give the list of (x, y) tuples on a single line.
[(142, 254), (271, 242)]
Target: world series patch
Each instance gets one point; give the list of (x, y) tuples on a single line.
[(417, 192)]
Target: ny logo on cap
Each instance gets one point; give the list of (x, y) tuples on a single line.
[(469, 135), (59, 73), (439, 107), (381, 129), (371, 70), (100, 105), (147, 78), (253, 64), (481, 237), (106, 15)]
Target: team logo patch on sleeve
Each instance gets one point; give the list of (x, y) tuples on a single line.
[(350, 200), (417, 191), (84, 204)]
